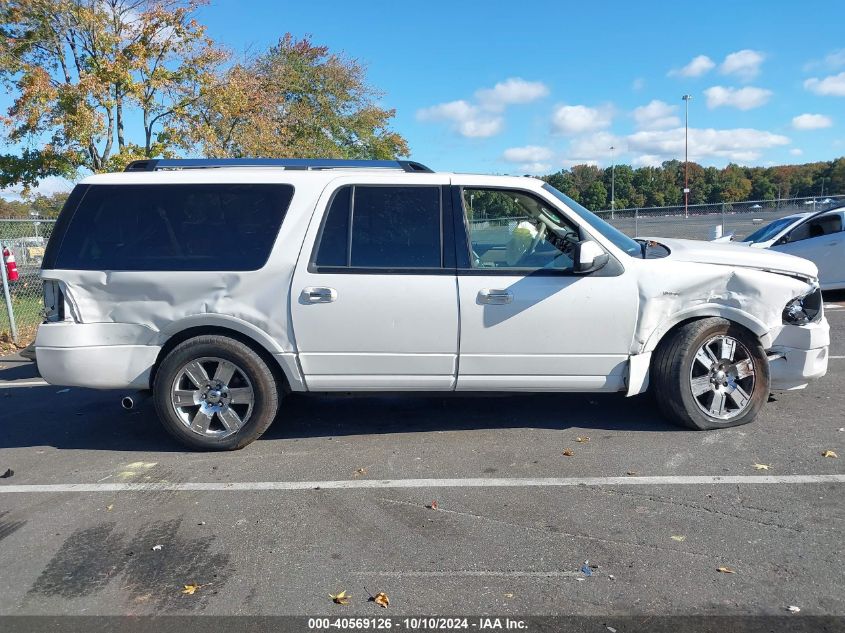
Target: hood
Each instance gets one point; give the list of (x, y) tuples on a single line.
[(735, 254)]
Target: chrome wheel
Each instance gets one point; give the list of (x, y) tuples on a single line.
[(722, 377), (212, 397)]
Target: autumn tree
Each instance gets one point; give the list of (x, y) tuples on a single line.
[(76, 67), (295, 100)]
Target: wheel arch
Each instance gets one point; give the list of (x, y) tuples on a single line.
[(734, 315), (258, 344)]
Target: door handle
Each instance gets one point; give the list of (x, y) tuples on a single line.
[(495, 297), (313, 294)]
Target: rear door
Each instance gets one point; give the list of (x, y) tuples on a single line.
[(374, 299)]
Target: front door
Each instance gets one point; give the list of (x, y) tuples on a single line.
[(822, 241), (527, 321), (374, 305)]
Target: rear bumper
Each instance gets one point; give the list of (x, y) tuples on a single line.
[(799, 355), (101, 367), (96, 355)]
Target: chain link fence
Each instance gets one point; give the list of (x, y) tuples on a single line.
[(26, 240), (709, 221)]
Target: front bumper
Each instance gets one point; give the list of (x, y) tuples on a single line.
[(798, 355)]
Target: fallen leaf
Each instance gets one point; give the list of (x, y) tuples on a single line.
[(793, 609), (508, 595), (582, 440), (569, 452), (381, 599), (340, 598), (761, 467), (679, 537), (432, 505), (9, 473), (109, 507), (156, 548), (631, 473), (829, 454), (360, 471), (191, 589), (725, 570)]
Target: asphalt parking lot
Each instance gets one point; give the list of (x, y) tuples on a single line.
[(338, 495)]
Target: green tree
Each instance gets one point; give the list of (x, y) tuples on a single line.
[(296, 100), (595, 198), (74, 68)]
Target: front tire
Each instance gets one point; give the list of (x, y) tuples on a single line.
[(215, 393), (710, 374)]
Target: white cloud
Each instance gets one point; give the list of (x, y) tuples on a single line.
[(511, 91), (698, 66), (656, 115), (648, 160), (466, 119), (46, 187), (742, 98), (833, 60), (576, 119), (740, 144), (530, 159), (596, 146), (833, 85), (527, 154), (483, 119), (811, 121), (569, 163), (796, 152), (744, 64)]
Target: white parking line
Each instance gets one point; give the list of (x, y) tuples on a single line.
[(491, 482)]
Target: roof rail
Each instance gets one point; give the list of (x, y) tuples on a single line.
[(157, 164)]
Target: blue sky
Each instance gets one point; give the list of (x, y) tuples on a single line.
[(518, 87)]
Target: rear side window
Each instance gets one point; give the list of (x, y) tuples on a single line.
[(226, 227), (382, 227)]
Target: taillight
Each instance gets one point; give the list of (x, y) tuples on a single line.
[(54, 302)]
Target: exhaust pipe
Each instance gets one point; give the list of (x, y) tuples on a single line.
[(134, 400)]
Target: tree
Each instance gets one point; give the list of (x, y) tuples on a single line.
[(595, 197), (74, 68), (296, 100)]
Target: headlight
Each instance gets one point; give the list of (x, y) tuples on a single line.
[(805, 309)]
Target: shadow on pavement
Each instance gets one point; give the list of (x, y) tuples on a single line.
[(94, 420)]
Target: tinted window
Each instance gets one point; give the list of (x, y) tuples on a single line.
[(334, 240), (392, 227), (817, 227), (174, 227)]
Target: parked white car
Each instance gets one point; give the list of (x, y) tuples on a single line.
[(223, 285), (817, 236)]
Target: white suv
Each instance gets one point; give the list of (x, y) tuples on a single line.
[(223, 284)]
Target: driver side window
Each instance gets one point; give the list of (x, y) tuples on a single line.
[(817, 227), (511, 229)]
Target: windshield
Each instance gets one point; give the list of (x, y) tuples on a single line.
[(619, 239), (769, 231)]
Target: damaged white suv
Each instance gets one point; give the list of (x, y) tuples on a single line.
[(221, 285)]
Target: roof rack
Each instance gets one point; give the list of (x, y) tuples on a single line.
[(158, 164)]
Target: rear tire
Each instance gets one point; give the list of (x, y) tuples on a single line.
[(215, 393), (710, 374)]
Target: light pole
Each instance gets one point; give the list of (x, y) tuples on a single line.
[(686, 99), (612, 182)]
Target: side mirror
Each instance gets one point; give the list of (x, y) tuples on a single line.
[(589, 257), (783, 240)]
